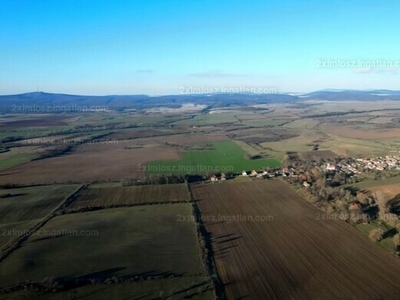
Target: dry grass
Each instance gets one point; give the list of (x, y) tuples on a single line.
[(90, 162), (364, 134)]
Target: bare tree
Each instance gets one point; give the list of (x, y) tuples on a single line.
[(376, 234)]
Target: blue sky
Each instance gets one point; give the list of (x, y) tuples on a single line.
[(161, 47)]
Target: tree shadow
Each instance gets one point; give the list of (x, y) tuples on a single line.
[(389, 233)]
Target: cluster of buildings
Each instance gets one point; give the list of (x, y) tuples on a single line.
[(353, 166), (362, 164), (252, 174)]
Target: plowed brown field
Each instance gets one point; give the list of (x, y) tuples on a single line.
[(130, 195), (269, 243)]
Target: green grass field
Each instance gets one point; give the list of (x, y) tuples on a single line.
[(123, 242), (226, 156), (15, 160), (26, 206), (386, 243), (193, 287), (374, 183)]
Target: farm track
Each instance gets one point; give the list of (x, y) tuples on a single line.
[(291, 254), (13, 245), (207, 250), (94, 208)]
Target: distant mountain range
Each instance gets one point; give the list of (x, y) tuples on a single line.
[(37, 101)]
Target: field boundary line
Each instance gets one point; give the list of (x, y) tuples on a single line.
[(13, 245), (206, 248), (96, 208)]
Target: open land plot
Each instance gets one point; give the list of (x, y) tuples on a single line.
[(196, 138), (94, 196), (21, 208), (90, 162), (266, 122), (209, 118), (382, 120), (134, 133), (154, 241), (364, 133), (269, 243), (179, 288), (12, 160), (386, 242), (330, 106), (299, 143), (388, 183), (354, 147), (302, 124), (260, 135), (324, 154), (35, 121), (245, 117), (226, 156), (390, 187)]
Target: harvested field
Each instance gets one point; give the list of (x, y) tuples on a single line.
[(44, 121), (130, 195), (261, 135), (364, 134), (269, 243), (390, 186), (90, 162), (21, 208), (195, 138), (89, 246), (389, 190), (324, 154), (134, 134)]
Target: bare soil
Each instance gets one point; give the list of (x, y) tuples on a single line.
[(295, 255)]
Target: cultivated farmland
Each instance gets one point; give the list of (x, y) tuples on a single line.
[(122, 242), (90, 162), (269, 243), (177, 288), (100, 196), (225, 156), (20, 208)]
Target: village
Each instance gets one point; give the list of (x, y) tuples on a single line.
[(347, 165)]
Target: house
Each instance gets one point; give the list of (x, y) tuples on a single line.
[(306, 184), (214, 178), (253, 173), (244, 173), (330, 167)]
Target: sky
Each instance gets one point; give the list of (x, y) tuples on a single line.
[(178, 46)]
